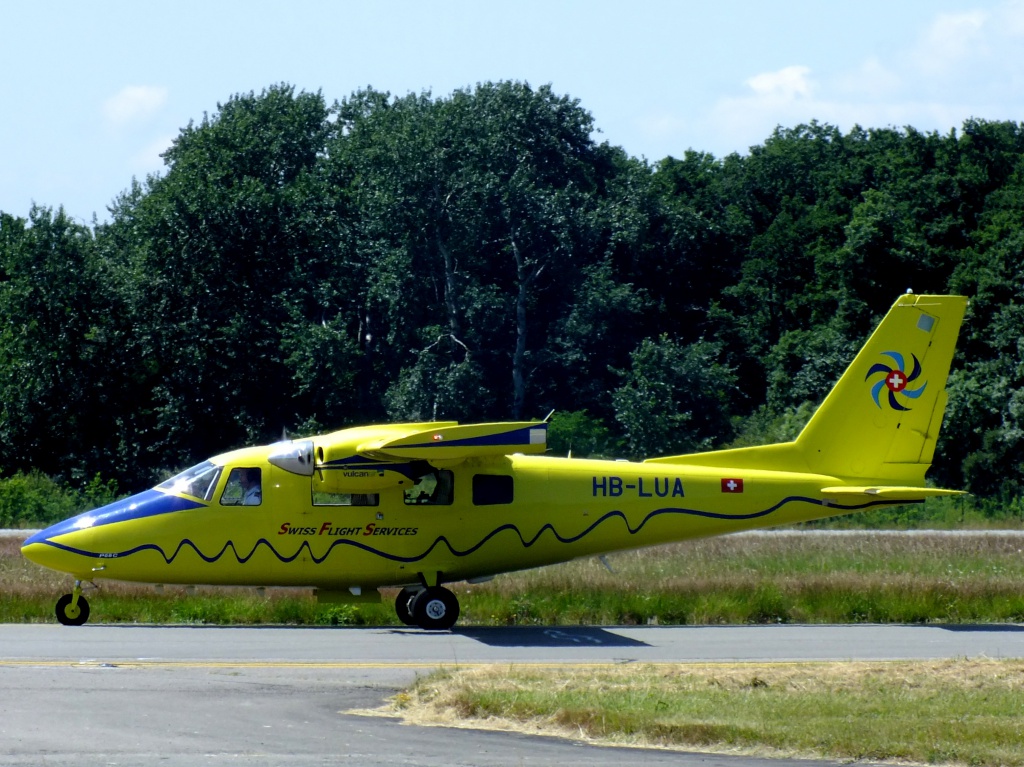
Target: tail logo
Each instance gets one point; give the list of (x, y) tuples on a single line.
[(896, 380)]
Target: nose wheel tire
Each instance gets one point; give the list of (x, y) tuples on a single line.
[(403, 605), (72, 615), (435, 609)]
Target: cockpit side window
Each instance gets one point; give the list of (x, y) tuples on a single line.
[(199, 481), (243, 488)]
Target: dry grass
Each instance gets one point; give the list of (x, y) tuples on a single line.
[(861, 577), (945, 712), (937, 554)]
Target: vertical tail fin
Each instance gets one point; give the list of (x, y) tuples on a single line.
[(882, 419), (880, 423)]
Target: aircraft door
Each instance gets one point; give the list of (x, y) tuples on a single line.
[(434, 488)]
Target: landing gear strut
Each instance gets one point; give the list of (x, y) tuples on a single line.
[(403, 605), (73, 609), (433, 608)]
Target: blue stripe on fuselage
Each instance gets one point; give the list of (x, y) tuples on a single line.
[(149, 503)]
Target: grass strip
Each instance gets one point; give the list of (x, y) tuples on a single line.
[(942, 712), (861, 578)]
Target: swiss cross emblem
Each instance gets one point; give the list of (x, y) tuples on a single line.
[(896, 381), (732, 485)]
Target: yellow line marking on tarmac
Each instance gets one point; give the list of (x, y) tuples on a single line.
[(206, 664), (26, 663)]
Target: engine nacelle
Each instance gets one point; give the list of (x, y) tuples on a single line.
[(334, 478)]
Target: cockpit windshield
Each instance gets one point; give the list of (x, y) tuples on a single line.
[(199, 481)]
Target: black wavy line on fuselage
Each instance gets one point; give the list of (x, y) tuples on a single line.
[(444, 539)]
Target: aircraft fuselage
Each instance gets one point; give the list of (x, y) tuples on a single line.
[(557, 509)]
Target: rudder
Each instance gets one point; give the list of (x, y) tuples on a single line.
[(881, 421)]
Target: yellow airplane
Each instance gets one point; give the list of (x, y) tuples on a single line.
[(418, 505)]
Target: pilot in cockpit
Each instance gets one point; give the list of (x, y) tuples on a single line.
[(252, 492), (244, 488)]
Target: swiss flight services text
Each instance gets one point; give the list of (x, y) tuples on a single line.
[(328, 528)]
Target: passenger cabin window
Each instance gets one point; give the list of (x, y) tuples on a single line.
[(435, 488), (492, 489), (321, 498), (244, 487)]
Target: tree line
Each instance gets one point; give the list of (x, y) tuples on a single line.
[(300, 266)]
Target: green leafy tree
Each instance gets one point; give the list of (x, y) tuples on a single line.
[(236, 268), (480, 256), (581, 435), (593, 339), (674, 398), (59, 389), (474, 218), (983, 440)]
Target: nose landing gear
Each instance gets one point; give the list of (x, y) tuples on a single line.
[(73, 609)]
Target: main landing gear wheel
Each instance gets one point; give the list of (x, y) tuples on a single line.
[(403, 605), (69, 614), (435, 608)]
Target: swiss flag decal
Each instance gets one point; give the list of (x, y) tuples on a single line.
[(732, 485)]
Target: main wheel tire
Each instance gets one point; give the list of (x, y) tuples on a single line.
[(403, 605), (68, 616), (435, 609)]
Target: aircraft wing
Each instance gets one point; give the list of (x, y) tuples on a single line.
[(366, 459), (447, 442)]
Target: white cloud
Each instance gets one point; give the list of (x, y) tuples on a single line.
[(134, 103), (949, 40), (783, 97), (972, 59), (784, 85), (959, 66), (872, 80)]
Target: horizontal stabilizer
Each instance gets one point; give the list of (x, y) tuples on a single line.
[(887, 493), (452, 442)]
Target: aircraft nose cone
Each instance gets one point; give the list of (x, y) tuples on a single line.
[(77, 545), (59, 547), (39, 553), (68, 546), (37, 537)]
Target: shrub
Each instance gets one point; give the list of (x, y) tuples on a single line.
[(33, 499)]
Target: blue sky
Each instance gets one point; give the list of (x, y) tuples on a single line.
[(92, 93)]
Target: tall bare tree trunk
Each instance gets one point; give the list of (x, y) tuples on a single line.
[(450, 301), (525, 278)]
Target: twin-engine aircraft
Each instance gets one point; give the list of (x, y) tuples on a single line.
[(420, 505)]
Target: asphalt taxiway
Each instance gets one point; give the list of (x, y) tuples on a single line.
[(178, 695)]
